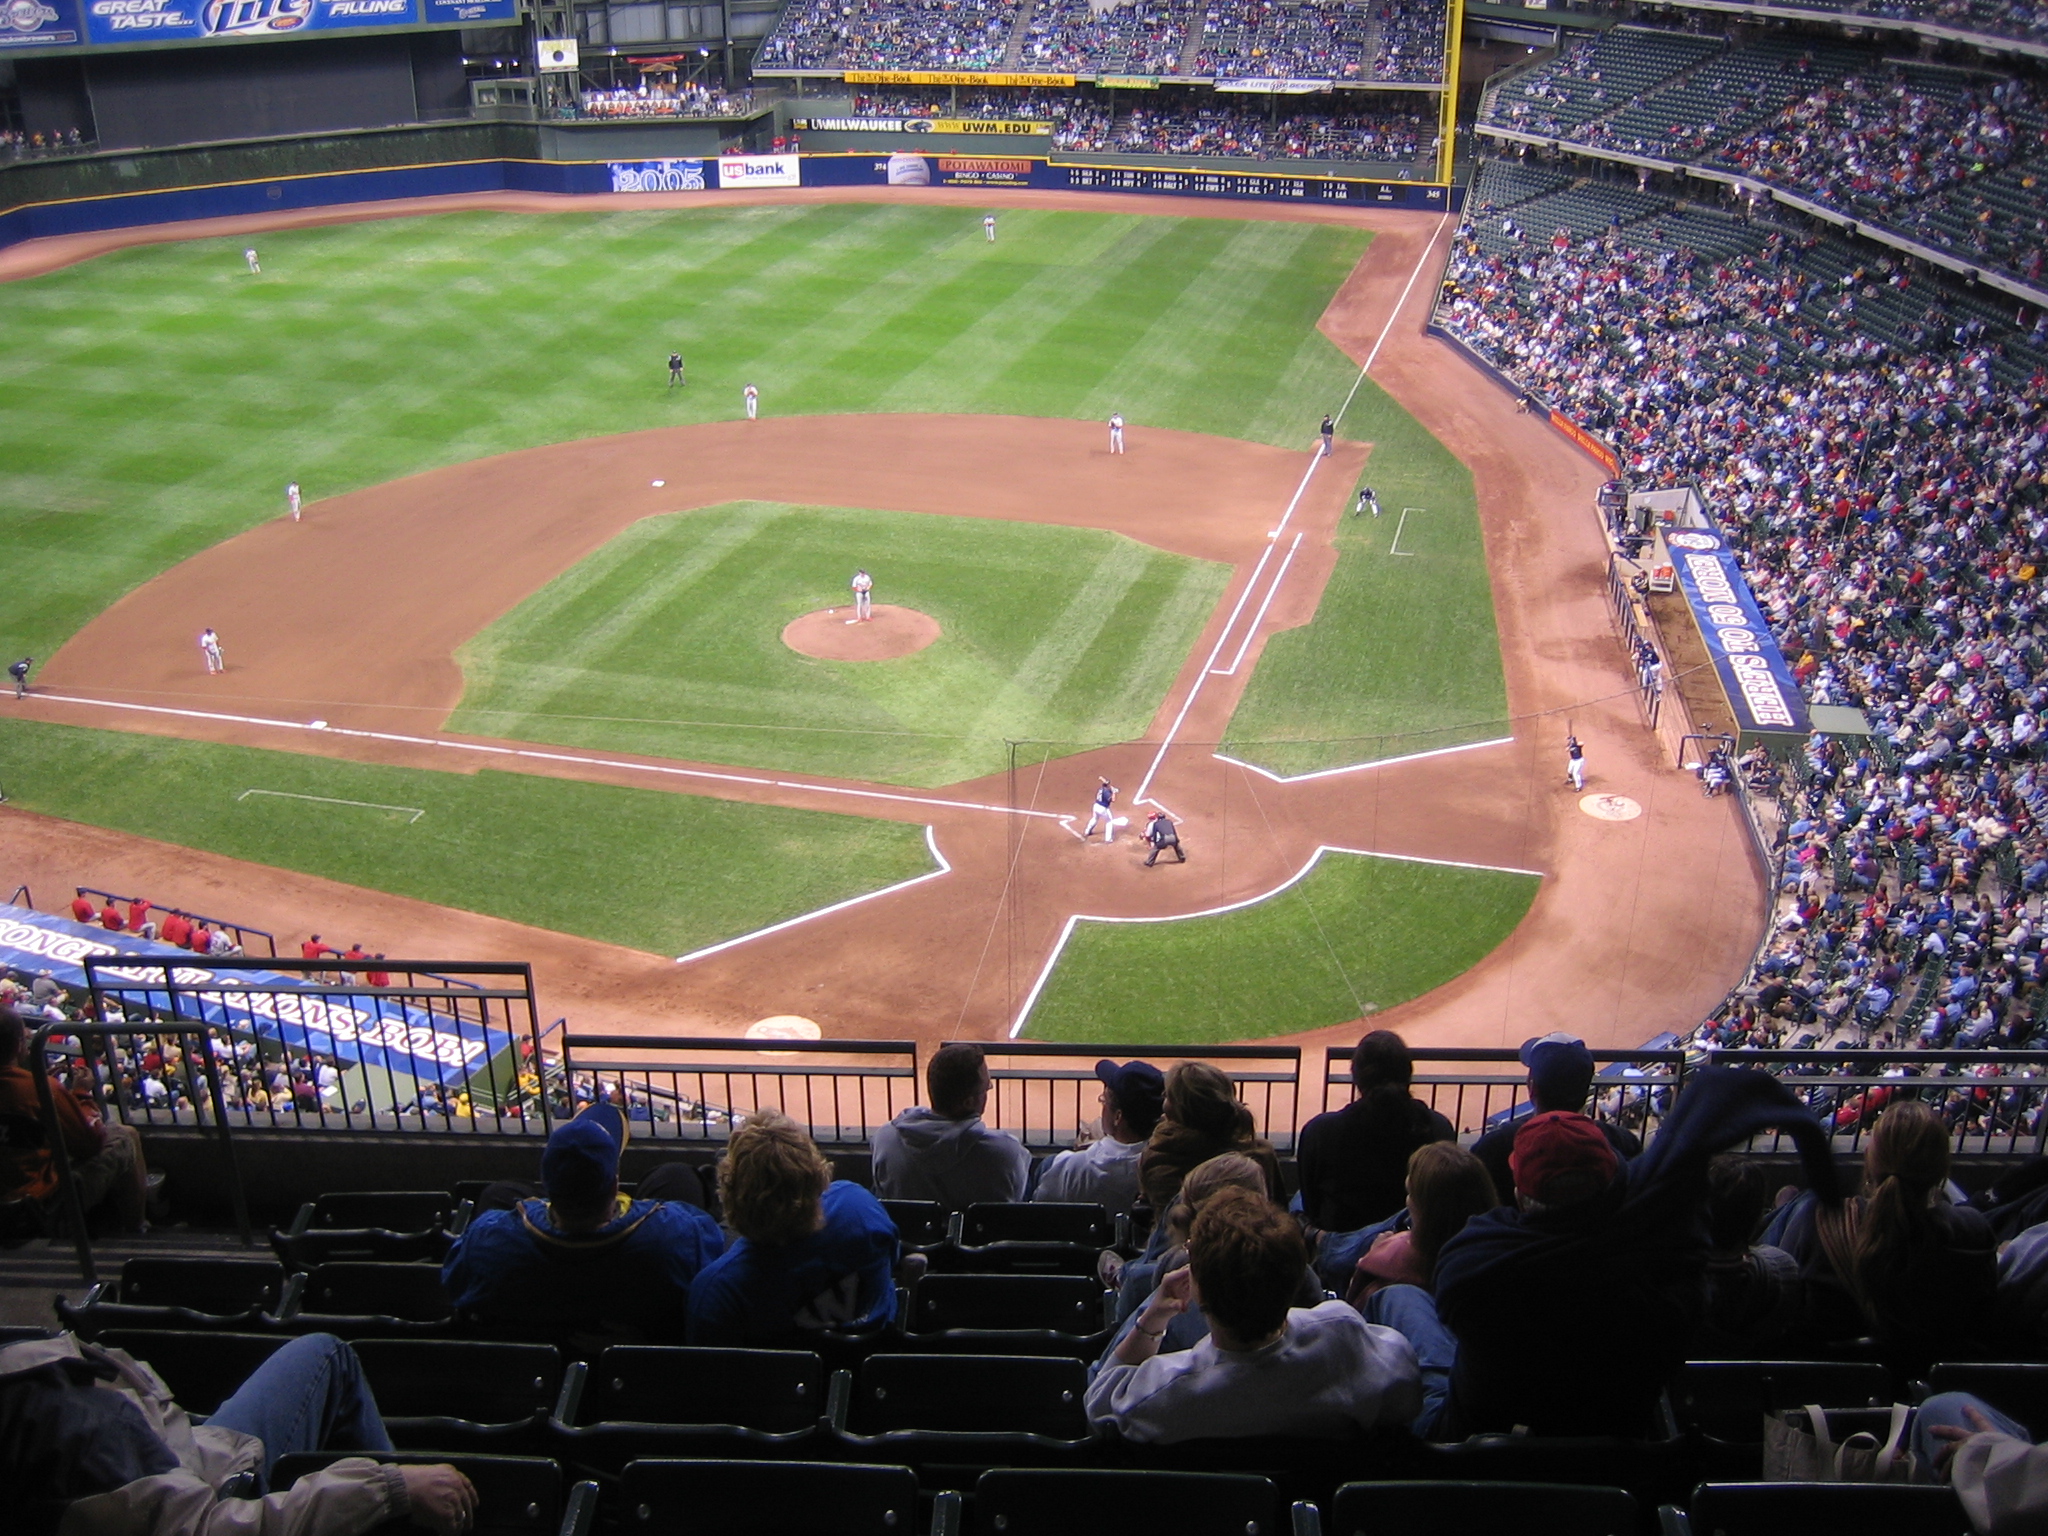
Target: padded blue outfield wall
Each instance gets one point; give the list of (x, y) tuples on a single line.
[(92, 215)]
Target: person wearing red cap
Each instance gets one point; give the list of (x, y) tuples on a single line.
[(1560, 1077)]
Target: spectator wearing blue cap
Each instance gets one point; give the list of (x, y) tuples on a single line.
[(1560, 1078), (1103, 1170), (584, 1257)]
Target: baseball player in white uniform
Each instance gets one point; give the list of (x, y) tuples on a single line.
[(1116, 431), (291, 499), (988, 227), (250, 257), (209, 647), (753, 398), (863, 605), (1575, 763), (1105, 798)]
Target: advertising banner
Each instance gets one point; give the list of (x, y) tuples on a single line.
[(907, 168), (377, 1032), (40, 24), (1587, 441), (952, 77), (470, 12), (917, 125), (904, 169), (758, 171), (1760, 687), (140, 21), (1275, 87), (1128, 82), (658, 175)]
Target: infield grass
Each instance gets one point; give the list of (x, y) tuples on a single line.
[(661, 872), (1402, 655), (669, 641), (1354, 936)]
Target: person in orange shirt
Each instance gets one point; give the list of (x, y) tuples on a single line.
[(106, 1160)]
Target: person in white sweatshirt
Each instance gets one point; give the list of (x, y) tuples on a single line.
[(1267, 1368)]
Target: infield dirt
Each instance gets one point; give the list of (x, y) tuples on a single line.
[(1638, 927)]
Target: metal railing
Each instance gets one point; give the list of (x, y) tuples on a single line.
[(697, 1090), (242, 931), (1046, 1106), (433, 1046), (1632, 1089), (71, 1200), (1621, 604), (1995, 1102)]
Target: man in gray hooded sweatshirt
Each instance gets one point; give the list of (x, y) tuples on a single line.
[(945, 1153)]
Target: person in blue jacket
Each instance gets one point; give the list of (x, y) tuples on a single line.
[(810, 1254), (583, 1257)]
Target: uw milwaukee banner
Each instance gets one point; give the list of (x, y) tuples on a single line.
[(987, 125), (952, 77), (1761, 690)]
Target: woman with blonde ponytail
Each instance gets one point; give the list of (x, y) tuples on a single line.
[(1901, 1262)]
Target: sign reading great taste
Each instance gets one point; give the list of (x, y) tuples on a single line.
[(915, 125), (135, 21), (950, 77), (1760, 687)]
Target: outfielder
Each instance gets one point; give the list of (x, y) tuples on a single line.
[(988, 226), (209, 647), (1116, 431), (1105, 797), (250, 257), (1574, 763), (753, 398), (675, 369), (291, 499), (863, 604)]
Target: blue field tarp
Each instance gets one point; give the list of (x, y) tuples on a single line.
[(291, 1010)]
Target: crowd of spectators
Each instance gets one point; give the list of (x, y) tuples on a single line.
[(890, 34), (17, 145), (1145, 37), (1874, 446), (666, 101)]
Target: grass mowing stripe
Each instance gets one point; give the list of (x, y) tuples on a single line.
[(572, 857), (1354, 929)]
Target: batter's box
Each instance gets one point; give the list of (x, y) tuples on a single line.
[(1395, 548)]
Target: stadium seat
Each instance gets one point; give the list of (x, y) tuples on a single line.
[(1801, 1509), (1653, 1472), (376, 1226), (516, 1495), (656, 1402), (953, 1416), (919, 1223), (1031, 1501), (1727, 1400), (226, 1294), (1477, 1509), (459, 1394), (1008, 1314), (361, 1301), (2019, 1391), (784, 1498), (1030, 1222), (202, 1369)]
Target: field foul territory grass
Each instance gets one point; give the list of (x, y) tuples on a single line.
[(411, 813)]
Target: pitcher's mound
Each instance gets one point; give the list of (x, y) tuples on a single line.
[(890, 633)]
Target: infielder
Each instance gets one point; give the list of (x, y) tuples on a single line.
[(291, 499), (675, 369), (1329, 431), (1105, 797), (209, 647), (1574, 763), (863, 605), (250, 257), (988, 226), (753, 398), (1368, 500), (1116, 431), (19, 672)]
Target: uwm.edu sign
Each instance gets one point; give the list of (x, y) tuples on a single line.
[(1762, 693)]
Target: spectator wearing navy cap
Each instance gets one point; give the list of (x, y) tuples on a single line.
[(1560, 1078), (1103, 1170), (583, 1257)]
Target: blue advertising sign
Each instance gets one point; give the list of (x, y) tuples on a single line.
[(370, 1031), (137, 21), (39, 24), (658, 176), (470, 12), (1759, 685)]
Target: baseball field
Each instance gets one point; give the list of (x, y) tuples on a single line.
[(155, 401)]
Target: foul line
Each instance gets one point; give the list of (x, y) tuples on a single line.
[(931, 841), (1366, 767), (1194, 691), (1252, 629), (1395, 547), (1067, 930), (562, 757), (369, 805)]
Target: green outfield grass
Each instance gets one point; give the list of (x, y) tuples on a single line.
[(1356, 935), (669, 641), (155, 401), (661, 872), (1402, 655)]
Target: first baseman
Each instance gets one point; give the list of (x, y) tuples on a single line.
[(1368, 500), (209, 647), (863, 606), (1116, 431), (753, 398)]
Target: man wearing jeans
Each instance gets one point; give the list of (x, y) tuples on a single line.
[(91, 1440)]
